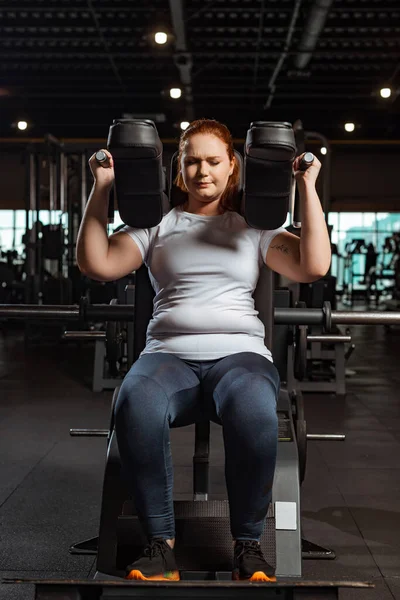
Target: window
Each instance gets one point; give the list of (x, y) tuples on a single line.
[(7, 227), (13, 227), (117, 222), (371, 228)]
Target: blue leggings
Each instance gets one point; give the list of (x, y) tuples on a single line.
[(238, 392)]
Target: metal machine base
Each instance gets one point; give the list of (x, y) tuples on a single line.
[(85, 547), (315, 552), (186, 590)]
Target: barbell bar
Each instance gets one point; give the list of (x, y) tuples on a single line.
[(101, 335), (88, 432), (125, 312), (330, 338), (322, 437), (84, 335)]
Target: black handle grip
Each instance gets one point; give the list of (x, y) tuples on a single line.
[(104, 160), (305, 163), (296, 210), (111, 206)]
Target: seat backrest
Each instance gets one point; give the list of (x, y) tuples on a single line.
[(144, 294)]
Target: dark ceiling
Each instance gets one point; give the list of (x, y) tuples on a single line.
[(69, 67)]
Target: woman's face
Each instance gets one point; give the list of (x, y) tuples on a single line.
[(206, 167)]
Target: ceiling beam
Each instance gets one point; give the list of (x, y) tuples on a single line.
[(182, 57), (311, 32)]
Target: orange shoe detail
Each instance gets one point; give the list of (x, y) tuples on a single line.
[(260, 576), (167, 576)]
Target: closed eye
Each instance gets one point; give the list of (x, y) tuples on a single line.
[(192, 162)]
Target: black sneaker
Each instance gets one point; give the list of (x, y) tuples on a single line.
[(249, 563), (157, 563)]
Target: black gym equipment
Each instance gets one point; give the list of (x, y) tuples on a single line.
[(292, 435), (56, 182), (300, 345), (139, 176), (326, 360), (268, 159), (204, 545), (324, 317), (186, 590), (114, 339), (45, 244), (7, 282), (291, 432), (113, 355), (300, 148), (140, 184)]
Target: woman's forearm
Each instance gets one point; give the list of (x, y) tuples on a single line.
[(92, 242), (315, 247)]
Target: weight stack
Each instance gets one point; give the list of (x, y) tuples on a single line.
[(203, 537)]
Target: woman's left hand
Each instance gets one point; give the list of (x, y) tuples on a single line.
[(308, 176)]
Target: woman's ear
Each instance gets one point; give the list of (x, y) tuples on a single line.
[(233, 161)]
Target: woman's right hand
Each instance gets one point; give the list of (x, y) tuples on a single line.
[(103, 174)]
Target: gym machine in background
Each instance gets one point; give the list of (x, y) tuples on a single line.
[(56, 184), (56, 196), (46, 276), (372, 274), (113, 354)]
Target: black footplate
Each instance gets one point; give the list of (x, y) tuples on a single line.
[(203, 537)]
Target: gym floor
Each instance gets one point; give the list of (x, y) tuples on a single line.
[(50, 483)]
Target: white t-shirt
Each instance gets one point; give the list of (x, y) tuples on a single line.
[(204, 271)]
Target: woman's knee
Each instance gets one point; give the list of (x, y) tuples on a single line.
[(139, 398), (161, 387), (249, 417), (254, 393)]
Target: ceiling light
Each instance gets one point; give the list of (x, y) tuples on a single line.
[(385, 92), (323, 150), (349, 127), (22, 125), (185, 125), (175, 93), (160, 37)]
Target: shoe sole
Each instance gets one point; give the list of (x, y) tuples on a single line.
[(257, 576), (169, 576)]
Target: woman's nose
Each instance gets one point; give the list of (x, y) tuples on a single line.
[(203, 168)]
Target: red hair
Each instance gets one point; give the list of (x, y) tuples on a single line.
[(230, 197)]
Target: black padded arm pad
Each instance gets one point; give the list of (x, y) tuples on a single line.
[(139, 178), (270, 150)]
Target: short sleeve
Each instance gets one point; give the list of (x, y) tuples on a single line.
[(142, 239), (266, 238)]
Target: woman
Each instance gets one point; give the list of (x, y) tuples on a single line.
[(205, 352)]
